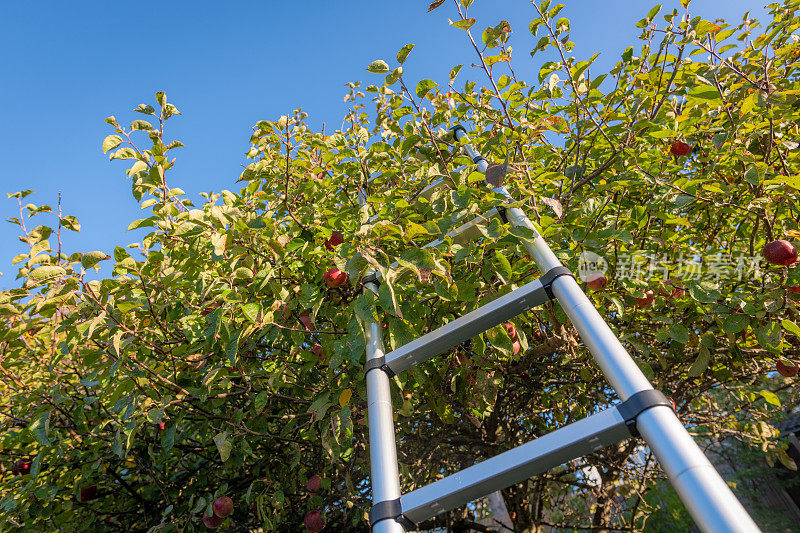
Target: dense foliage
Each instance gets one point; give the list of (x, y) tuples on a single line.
[(216, 361)]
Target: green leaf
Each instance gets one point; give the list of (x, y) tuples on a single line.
[(770, 397), (40, 426), (141, 125), (491, 60), (701, 363), (309, 295), (224, 445), (111, 142), (503, 265), (702, 93), (141, 223), (705, 27), (704, 292), (220, 242), (379, 66), (424, 86), (454, 71), (403, 53), (791, 327), (365, 307), (735, 323), (388, 298), (168, 438), (261, 401), (123, 153), (90, 259), (434, 5), (463, 24), (146, 109), (251, 311), (769, 336), (679, 333), (46, 272), (232, 348), (71, 223)]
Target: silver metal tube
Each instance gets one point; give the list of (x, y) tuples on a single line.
[(706, 495), (384, 474)]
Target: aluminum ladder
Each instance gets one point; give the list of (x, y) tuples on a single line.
[(643, 411)]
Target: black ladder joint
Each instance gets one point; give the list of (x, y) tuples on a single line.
[(631, 408), (551, 275), (501, 210), (371, 278), (389, 510), (380, 364)]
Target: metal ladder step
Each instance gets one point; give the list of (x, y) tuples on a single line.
[(473, 323), (540, 455)]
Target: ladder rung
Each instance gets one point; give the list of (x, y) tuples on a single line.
[(454, 333), (527, 460)]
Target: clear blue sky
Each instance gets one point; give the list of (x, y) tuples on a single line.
[(67, 65)]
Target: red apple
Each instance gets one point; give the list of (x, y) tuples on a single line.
[(680, 148), (161, 426), (335, 278), (335, 240), (213, 521), (511, 329), (786, 370), (88, 493), (795, 289), (780, 252), (314, 483), (647, 301), (21, 467), (596, 281), (517, 347), (317, 350), (223, 506), (313, 521), (306, 320)]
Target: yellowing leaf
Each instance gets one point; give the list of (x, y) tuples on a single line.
[(379, 66), (463, 24), (344, 397), (111, 142)]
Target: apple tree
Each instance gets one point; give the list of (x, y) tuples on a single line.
[(223, 357)]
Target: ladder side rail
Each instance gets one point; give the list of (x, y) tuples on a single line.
[(384, 472), (572, 441), (703, 491)]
